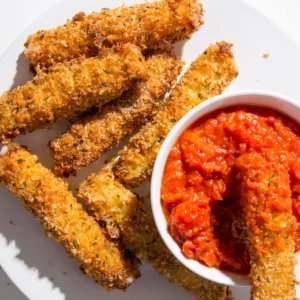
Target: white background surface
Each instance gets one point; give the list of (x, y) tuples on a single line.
[(16, 15)]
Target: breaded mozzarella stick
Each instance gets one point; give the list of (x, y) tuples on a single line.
[(89, 138), (126, 217), (208, 76), (69, 89), (146, 25), (270, 225), (48, 198)]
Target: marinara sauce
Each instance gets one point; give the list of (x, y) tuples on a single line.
[(199, 191)]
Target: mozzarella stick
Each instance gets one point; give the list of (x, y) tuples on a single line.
[(269, 223), (208, 76), (65, 220), (146, 25), (125, 216), (69, 89), (89, 138)]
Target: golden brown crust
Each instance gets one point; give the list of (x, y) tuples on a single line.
[(208, 76), (145, 25), (48, 198), (69, 89), (89, 138), (126, 217), (264, 180)]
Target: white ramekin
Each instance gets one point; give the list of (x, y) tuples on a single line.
[(289, 107)]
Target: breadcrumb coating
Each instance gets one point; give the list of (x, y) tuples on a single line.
[(65, 220), (126, 217), (69, 89), (146, 25), (264, 179), (89, 138), (208, 76)]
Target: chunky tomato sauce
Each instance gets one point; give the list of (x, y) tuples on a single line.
[(199, 190)]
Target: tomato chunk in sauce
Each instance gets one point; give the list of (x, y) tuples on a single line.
[(199, 191)]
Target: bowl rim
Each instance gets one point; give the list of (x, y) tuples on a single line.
[(279, 103)]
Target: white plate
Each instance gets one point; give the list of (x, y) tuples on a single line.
[(36, 264)]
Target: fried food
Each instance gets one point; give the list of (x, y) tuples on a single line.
[(125, 216), (89, 138), (146, 25), (208, 76), (48, 199), (269, 223), (69, 89)]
